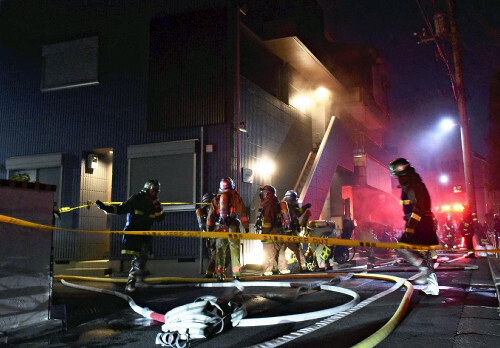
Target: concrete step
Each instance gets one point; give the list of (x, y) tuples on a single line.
[(88, 272), (93, 264)]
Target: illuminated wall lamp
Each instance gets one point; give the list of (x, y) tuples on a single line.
[(92, 161)]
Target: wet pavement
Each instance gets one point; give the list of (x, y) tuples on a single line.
[(466, 312)]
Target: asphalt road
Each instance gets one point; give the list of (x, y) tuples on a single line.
[(466, 312)]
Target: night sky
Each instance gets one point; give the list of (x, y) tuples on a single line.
[(421, 92)]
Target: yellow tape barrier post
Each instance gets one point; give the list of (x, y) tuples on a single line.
[(249, 236)]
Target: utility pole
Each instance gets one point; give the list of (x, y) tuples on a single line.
[(462, 110)]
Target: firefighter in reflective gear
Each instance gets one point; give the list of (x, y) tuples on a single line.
[(449, 232), (466, 229), (201, 216), (142, 210), (274, 252), (228, 210), (296, 211), (496, 230), (421, 224)]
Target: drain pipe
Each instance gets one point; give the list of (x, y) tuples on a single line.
[(202, 168)]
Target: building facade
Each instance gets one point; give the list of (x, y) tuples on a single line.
[(98, 98)]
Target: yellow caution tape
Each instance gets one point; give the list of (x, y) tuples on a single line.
[(278, 238), (68, 209)]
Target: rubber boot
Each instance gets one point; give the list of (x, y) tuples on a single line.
[(432, 288), (130, 287), (220, 277), (135, 274), (416, 261)]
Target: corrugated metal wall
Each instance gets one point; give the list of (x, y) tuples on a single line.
[(93, 187), (275, 131)]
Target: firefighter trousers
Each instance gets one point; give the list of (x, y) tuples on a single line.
[(296, 248), (274, 252), (222, 250)]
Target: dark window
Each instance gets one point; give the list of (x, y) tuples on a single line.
[(70, 64)]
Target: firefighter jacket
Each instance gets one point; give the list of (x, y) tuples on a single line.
[(420, 222), (407, 206), (449, 228), (465, 228), (142, 210), (271, 215), (237, 211)]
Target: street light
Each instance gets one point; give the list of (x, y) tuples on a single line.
[(444, 179), (447, 124)]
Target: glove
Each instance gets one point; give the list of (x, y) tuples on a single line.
[(104, 207), (247, 229), (306, 206), (100, 205), (160, 217)]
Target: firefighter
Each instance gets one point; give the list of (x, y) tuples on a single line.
[(467, 229), (272, 224), (296, 211), (142, 210), (228, 210), (201, 215), (420, 225), (496, 230), (449, 232)]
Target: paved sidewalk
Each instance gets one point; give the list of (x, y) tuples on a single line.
[(494, 263)]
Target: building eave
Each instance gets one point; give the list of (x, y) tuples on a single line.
[(293, 51)]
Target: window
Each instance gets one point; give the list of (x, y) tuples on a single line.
[(173, 164), (70, 64), (45, 168)]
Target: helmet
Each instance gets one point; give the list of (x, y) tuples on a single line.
[(399, 167), (152, 185), (226, 184), (291, 196), (207, 197), (268, 189)]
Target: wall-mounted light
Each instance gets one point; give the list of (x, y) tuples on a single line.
[(321, 93), (264, 167), (92, 161), (243, 127)]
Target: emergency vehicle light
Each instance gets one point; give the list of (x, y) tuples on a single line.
[(445, 208)]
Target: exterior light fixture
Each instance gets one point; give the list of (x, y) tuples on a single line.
[(92, 161), (265, 167), (321, 93)]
